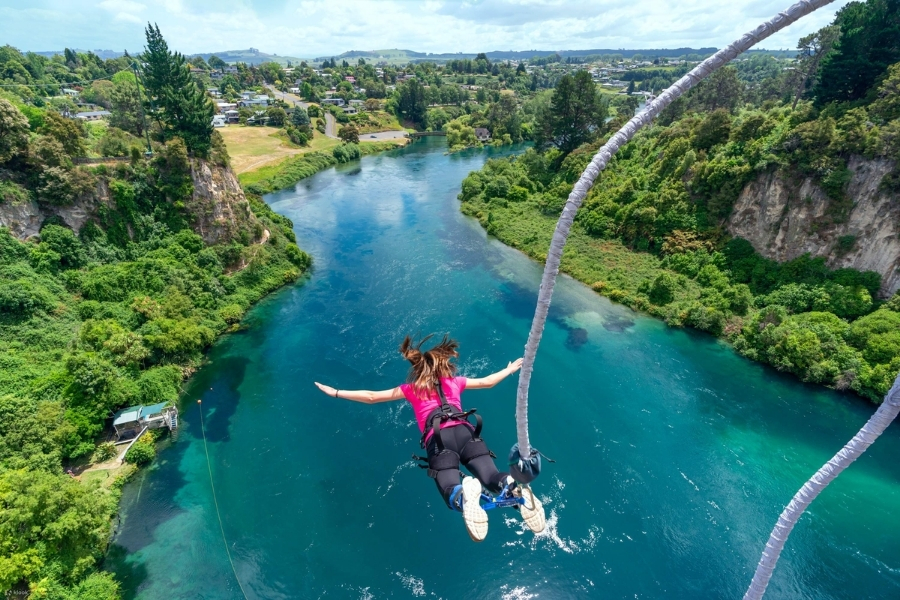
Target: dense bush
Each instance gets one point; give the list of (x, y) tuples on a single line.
[(142, 452)]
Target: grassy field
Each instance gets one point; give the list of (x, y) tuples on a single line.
[(290, 170), (253, 147)]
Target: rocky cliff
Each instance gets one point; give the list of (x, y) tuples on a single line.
[(221, 211), (219, 206), (785, 219)]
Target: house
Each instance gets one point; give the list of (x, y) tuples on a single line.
[(335, 101), (93, 115), (357, 103), (294, 90), (262, 100), (69, 92), (350, 79), (214, 92), (482, 134), (219, 121), (128, 422), (225, 106), (350, 110), (232, 116)]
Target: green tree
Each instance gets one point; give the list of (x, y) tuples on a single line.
[(300, 117), (349, 134), (411, 102), (812, 49), (576, 113), (13, 131), (68, 132), (723, 89), (869, 42), (276, 116), (887, 105), (125, 106), (175, 100), (50, 523), (216, 63)]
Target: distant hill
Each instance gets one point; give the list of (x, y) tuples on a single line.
[(397, 56), (104, 54), (250, 56), (404, 56), (253, 56)]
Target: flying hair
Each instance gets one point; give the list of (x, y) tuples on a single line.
[(430, 366)]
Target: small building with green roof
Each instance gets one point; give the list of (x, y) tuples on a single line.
[(133, 419)]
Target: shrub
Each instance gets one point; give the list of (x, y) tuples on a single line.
[(663, 289), (141, 453), (231, 314), (104, 452)]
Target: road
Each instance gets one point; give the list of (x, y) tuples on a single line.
[(331, 125)]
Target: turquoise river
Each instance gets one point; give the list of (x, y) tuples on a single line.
[(674, 455)]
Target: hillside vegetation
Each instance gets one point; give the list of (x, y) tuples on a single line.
[(668, 194), (114, 314)]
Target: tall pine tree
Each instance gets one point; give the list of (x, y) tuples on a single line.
[(175, 100)]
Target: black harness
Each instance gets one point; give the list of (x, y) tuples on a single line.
[(446, 412), (444, 459)]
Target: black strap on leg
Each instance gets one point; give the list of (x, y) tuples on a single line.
[(443, 461)]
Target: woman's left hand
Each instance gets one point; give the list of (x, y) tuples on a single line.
[(327, 389)]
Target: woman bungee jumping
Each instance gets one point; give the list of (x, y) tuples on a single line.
[(449, 438)]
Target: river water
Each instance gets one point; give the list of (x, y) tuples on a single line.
[(674, 455)]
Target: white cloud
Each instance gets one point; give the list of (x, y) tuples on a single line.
[(122, 6), (312, 28)]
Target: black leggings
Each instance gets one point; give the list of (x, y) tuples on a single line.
[(455, 440)]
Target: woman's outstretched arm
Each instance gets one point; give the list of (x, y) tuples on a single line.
[(365, 396), (494, 378)]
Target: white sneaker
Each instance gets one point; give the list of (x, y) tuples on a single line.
[(532, 510), (475, 516)]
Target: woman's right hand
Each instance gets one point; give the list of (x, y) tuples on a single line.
[(514, 366)]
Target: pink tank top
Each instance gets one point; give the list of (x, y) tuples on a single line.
[(453, 388)]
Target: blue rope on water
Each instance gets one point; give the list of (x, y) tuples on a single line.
[(216, 502)]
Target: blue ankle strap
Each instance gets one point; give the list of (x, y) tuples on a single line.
[(454, 495)]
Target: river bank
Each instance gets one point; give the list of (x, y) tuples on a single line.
[(688, 288), (271, 178)]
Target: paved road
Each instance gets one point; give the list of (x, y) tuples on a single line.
[(331, 124), (330, 129)]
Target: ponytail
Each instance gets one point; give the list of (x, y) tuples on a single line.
[(429, 367)]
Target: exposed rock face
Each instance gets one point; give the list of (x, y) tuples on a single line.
[(24, 220), (218, 204), (783, 221), (220, 208)]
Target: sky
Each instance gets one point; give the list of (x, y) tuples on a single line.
[(311, 28)]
